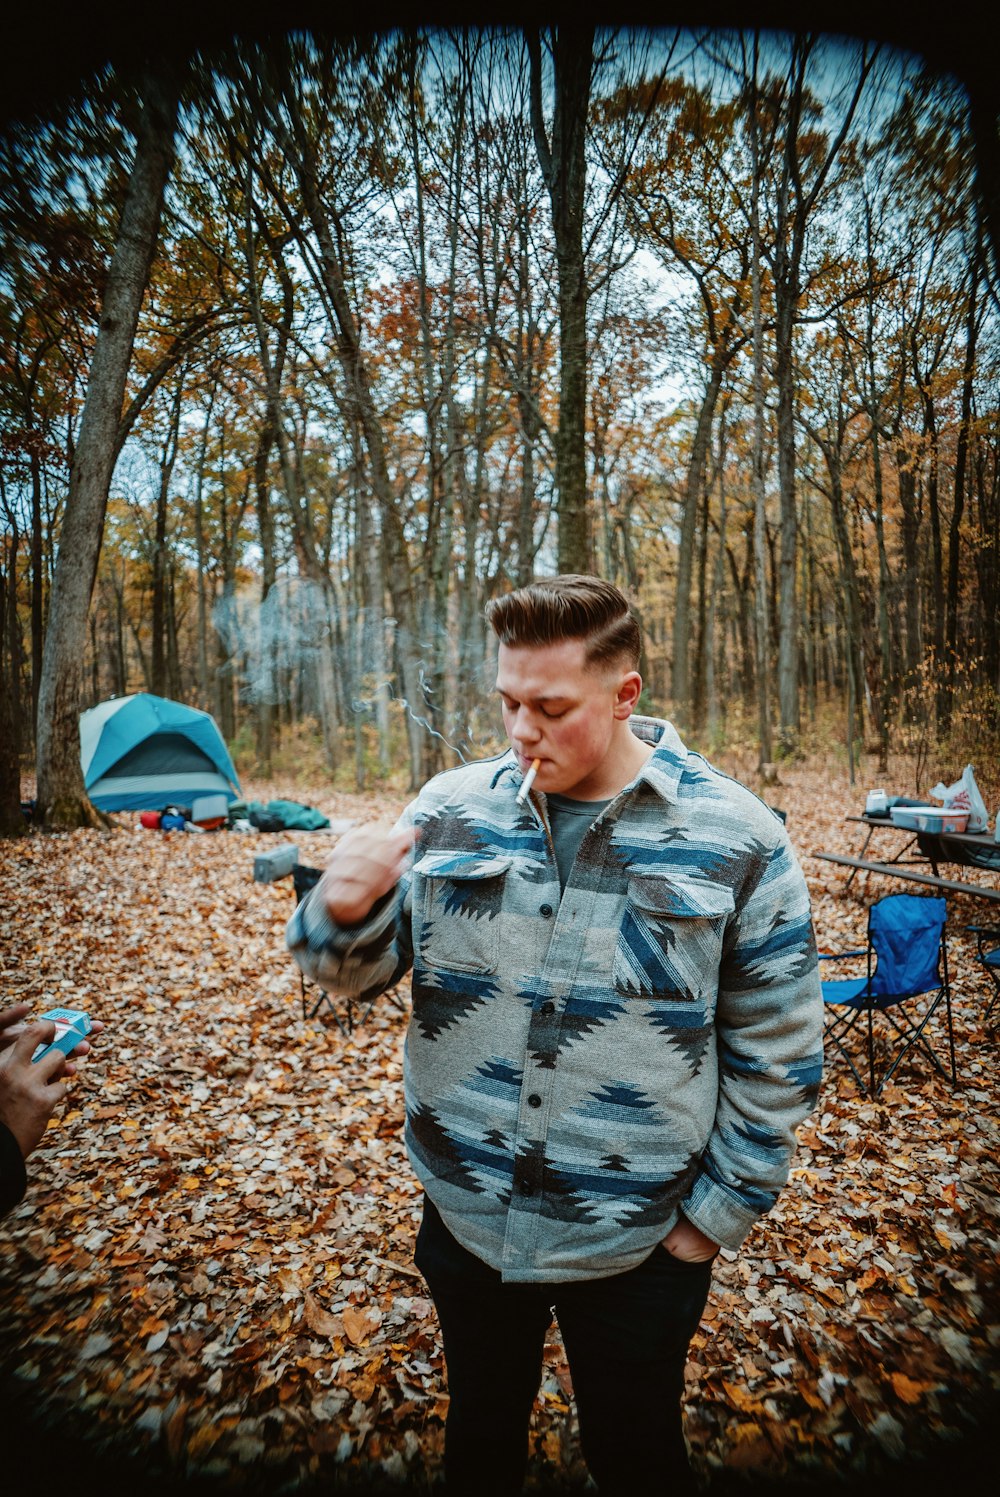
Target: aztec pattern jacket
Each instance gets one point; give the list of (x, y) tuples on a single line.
[(579, 1069)]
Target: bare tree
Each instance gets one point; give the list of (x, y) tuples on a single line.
[(562, 158), (804, 173), (62, 799)]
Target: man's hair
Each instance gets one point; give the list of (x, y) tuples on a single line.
[(551, 609)]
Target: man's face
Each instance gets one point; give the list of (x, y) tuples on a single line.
[(566, 713)]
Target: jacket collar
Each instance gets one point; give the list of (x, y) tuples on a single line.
[(663, 769)]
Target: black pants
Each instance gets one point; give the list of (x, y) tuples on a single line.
[(626, 1340)]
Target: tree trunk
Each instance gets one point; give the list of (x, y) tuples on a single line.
[(434, 393), (883, 608), (788, 654), (789, 230), (361, 403), (988, 561), (909, 534), (174, 686), (473, 630), (765, 754), (267, 682), (808, 610), (121, 670), (937, 548), (693, 490), (12, 823), (311, 564), (716, 604), (62, 799), (564, 167), (794, 207), (161, 550), (961, 462), (851, 600), (37, 590), (204, 684)]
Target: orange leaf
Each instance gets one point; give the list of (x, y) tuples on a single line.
[(740, 1398), (357, 1326), (908, 1389), (320, 1320), (361, 1324)]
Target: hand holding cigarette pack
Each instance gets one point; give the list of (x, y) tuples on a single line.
[(72, 1026)]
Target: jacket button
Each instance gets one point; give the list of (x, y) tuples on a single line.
[(546, 910), (548, 1008), (534, 1100)]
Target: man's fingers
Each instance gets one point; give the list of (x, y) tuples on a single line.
[(51, 1065), (13, 1015), (11, 1025), (84, 1047), (397, 850), (33, 1036), (366, 863), (372, 841), (47, 1067), (56, 1094), (374, 861)]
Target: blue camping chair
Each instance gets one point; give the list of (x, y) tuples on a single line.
[(907, 959), (990, 959)]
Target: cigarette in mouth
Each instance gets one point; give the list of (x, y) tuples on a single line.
[(527, 782)]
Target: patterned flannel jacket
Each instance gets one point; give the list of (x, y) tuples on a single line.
[(580, 1069)]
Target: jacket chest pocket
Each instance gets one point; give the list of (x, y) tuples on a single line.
[(459, 898), (670, 941)]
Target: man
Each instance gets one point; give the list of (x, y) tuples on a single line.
[(616, 1026), (30, 1091)]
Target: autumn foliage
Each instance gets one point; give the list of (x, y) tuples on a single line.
[(343, 428)]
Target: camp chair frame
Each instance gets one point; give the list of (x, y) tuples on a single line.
[(304, 878), (990, 959), (858, 999)]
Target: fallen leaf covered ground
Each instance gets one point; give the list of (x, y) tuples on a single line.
[(211, 1272)]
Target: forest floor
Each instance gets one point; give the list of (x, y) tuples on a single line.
[(210, 1285)]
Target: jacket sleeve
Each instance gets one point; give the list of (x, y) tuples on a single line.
[(357, 960), (13, 1176), (769, 1029)]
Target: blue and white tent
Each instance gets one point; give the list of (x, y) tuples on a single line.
[(142, 753)]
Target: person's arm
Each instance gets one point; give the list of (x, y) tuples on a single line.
[(351, 932), (769, 1023)]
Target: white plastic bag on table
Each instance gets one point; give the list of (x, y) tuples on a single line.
[(964, 795)]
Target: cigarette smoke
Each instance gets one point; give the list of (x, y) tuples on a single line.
[(294, 632)]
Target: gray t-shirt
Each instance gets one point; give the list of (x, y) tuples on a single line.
[(569, 820)]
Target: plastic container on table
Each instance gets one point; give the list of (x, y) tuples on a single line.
[(933, 819)]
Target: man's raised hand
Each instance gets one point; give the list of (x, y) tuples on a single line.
[(30, 1092), (367, 862)]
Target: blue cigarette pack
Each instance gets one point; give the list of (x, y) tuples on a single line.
[(72, 1025)]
